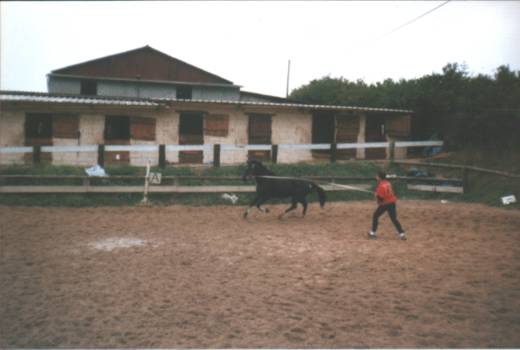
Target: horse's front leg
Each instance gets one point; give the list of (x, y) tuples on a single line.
[(252, 204)]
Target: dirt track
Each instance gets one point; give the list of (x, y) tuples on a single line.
[(203, 277)]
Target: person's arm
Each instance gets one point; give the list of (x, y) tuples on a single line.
[(379, 194)]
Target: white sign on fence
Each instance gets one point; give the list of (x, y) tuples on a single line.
[(508, 200), (155, 178)]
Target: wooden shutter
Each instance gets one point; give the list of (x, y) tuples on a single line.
[(65, 126), (399, 126), (142, 128), (347, 128), (259, 129), (216, 125), (259, 134)]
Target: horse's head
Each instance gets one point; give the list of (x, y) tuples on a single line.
[(254, 168)]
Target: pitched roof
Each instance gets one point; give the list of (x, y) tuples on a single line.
[(40, 97), (144, 63)]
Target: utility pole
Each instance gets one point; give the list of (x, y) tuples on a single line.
[(288, 72)]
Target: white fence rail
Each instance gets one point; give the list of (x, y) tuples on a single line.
[(224, 147)]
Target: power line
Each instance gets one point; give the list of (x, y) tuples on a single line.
[(413, 20)]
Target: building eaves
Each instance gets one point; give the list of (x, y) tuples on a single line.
[(145, 81), (293, 105), (24, 96)]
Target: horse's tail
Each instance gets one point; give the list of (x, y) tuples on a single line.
[(321, 194)]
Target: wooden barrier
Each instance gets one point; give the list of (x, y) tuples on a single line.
[(460, 167), (432, 188), (87, 187), (139, 189)]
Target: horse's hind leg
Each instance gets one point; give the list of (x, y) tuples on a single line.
[(292, 207), (303, 201), (259, 205)]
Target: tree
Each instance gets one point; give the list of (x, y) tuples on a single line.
[(479, 111)]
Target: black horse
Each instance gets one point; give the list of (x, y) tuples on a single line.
[(270, 186)]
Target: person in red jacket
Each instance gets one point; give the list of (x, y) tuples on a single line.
[(386, 201)]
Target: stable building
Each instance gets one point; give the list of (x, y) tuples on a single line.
[(145, 97)]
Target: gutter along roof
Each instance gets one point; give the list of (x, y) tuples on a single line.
[(39, 97), (22, 96)]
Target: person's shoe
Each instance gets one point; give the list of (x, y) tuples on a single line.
[(402, 236), (372, 235)]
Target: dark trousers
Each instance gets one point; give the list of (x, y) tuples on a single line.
[(393, 216)]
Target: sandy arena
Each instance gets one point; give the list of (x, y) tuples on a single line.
[(182, 277)]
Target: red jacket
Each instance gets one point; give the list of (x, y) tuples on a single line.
[(384, 193)]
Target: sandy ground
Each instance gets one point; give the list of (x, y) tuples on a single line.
[(203, 277)]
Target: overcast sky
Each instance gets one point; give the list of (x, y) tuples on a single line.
[(250, 43)]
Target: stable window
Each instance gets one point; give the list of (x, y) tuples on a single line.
[(38, 126), (191, 133), (259, 133), (399, 126), (117, 127), (142, 128), (216, 125), (323, 131), (38, 132), (347, 130), (323, 127), (65, 126), (88, 87), (184, 92)]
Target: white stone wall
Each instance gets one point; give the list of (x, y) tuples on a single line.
[(167, 133), (292, 128), (12, 135), (360, 152), (399, 152), (288, 127), (91, 127), (65, 158), (142, 158), (237, 135)]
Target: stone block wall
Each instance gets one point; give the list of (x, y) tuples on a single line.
[(237, 135), (292, 128), (12, 135)]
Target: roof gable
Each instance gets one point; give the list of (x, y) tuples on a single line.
[(144, 63)]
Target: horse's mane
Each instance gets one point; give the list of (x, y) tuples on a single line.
[(261, 169)]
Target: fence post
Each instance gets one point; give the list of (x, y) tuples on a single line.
[(101, 155), (274, 154), (37, 154), (216, 155), (162, 156), (465, 180), (333, 152), (391, 150)]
